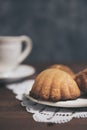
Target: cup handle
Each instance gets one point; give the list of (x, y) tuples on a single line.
[(27, 49)]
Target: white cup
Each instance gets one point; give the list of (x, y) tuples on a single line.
[(11, 53)]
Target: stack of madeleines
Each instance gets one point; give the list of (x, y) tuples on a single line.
[(59, 82)]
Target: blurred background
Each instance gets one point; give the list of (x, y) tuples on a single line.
[(58, 28)]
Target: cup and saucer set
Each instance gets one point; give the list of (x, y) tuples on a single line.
[(12, 55)]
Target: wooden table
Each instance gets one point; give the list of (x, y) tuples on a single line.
[(14, 117)]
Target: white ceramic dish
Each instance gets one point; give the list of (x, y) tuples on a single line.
[(79, 102), (21, 71)]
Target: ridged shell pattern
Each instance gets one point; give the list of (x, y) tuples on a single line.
[(54, 85)]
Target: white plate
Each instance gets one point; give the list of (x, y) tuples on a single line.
[(79, 102), (21, 71)]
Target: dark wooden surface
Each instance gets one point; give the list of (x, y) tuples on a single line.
[(14, 117)]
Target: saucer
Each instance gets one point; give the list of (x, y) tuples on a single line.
[(21, 71)]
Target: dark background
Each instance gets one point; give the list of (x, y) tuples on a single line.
[(58, 28)]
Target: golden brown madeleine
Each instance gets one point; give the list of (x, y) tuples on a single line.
[(64, 68), (54, 85), (81, 79)]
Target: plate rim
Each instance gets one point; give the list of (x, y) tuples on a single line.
[(59, 103)]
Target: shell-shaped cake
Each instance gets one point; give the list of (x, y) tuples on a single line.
[(64, 68), (54, 85), (81, 79)]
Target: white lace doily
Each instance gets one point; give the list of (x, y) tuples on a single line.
[(42, 113)]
